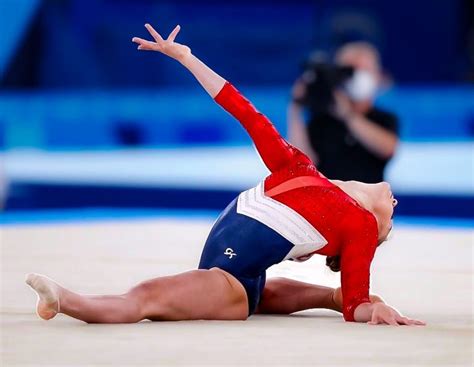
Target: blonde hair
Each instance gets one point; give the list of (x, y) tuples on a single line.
[(358, 47)]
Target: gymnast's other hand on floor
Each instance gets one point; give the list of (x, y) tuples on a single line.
[(384, 314), (380, 314)]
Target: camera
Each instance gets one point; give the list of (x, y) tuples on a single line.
[(321, 79)]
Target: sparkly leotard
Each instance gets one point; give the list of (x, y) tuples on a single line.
[(320, 218)]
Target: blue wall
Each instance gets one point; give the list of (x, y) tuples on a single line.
[(177, 116), (86, 44), (72, 80)]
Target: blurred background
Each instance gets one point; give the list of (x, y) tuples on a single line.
[(114, 163), (91, 127)]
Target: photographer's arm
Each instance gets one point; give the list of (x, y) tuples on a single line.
[(375, 138)]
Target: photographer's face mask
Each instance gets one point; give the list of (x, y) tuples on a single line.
[(362, 86)]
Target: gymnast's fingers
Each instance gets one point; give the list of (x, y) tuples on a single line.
[(174, 33), (154, 33), (392, 321), (375, 320), (144, 44), (384, 319), (403, 320), (140, 41), (144, 48), (418, 322), (407, 321)]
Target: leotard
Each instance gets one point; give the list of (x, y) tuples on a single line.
[(296, 209)]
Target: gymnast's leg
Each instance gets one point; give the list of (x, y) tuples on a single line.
[(285, 296), (198, 294)]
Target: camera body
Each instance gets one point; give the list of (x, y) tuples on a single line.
[(321, 79)]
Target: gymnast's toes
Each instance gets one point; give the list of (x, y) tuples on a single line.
[(48, 295)]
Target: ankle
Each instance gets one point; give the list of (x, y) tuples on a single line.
[(336, 300)]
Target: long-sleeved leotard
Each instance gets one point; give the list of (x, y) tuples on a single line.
[(349, 230)]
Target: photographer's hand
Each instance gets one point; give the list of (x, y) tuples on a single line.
[(298, 91), (380, 141), (343, 108)]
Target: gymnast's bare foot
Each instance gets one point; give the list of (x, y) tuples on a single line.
[(48, 295)]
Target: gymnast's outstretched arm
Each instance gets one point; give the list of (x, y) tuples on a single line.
[(210, 80), (275, 151)]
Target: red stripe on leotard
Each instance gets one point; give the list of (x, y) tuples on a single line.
[(296, 183)]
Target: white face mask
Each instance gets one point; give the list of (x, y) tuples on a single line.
[(362, 86)]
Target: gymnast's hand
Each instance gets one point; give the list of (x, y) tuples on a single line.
[(384, 314), (167, 46)]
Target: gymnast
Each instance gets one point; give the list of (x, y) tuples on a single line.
[(292, 214)]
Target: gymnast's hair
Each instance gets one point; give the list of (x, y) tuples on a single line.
[(334, 263)]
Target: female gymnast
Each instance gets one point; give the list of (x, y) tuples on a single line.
[(294, 213)]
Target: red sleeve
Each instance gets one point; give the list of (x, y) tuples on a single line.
[(275, 151), (356, 256)]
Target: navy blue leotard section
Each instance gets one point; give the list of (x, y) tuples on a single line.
[(245, 248)]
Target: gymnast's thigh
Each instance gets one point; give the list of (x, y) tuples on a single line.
[(201, 294)]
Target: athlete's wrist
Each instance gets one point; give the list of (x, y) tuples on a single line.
[(186, 59), (376, 299), (363, 312)]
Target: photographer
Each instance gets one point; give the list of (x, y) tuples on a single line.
[(345, 135)]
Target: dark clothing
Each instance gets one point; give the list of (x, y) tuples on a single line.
[(245, 248), (341, 156)]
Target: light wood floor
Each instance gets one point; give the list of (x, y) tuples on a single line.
[(425, 272)]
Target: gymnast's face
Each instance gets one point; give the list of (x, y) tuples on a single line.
[(382, 204)]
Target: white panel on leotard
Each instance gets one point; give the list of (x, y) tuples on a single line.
[(282, 219)]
